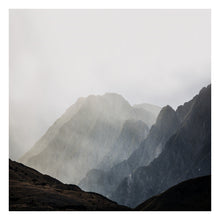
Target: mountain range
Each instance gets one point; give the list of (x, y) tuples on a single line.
[(126, 153), (86, 133), (186, 154)]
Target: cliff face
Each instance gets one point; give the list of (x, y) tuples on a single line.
[(186, 154), (144, 151), (132, 134), (109, 147)]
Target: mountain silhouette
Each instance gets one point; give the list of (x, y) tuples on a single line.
[(187, 154)]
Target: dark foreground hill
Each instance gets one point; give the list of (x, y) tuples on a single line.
[(30, 190), (190, 195)]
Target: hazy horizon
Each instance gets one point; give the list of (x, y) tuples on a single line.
[(160, 57)]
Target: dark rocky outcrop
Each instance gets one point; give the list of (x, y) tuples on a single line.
[(190, 195)]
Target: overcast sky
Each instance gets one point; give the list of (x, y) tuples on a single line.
[(155, 56)]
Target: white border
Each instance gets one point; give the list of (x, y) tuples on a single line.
[(111, 4)]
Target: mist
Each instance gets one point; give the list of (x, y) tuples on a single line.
[(56, 56)]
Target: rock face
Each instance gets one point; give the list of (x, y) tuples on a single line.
[(190, 195), (105, 145), (166, 125), (86, 133), (30, 190), (132, 134), (105, 182), (186, 154)]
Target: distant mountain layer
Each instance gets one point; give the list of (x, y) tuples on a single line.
[(29, 190), (132, 134), (125, 153), (144, 151), (191, 195), (154, 109), (93, 130), (186, 154)]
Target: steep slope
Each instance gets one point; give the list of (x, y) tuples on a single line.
[(53, 131), (79, 140), (187, 154), (190, 195), (30, 190), (105, 182), (132, 134), (166, 125)]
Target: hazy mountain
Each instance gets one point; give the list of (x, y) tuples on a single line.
[(190, 195), (187, 154), (166, 125), (30, 190), (132, 134), (105, 145), (148, 149), (154, 109), (86, 133)]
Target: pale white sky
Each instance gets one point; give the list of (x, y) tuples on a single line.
[(155, 56)]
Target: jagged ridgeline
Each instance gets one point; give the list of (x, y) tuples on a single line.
[(127, 153), (186, 154), (95, 132), (105, 182)]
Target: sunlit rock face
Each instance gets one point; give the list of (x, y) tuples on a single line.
[(186, 154), (89, 131)]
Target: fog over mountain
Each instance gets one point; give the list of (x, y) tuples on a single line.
[(161, 57), (116, 102), (132, 134), (94, 129), (126, 153), (147, 150)]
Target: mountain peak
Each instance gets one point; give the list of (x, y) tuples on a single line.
[(115, 97), (112, 94), (167, 108), (204, 89), (166, 112), (111, 98)]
